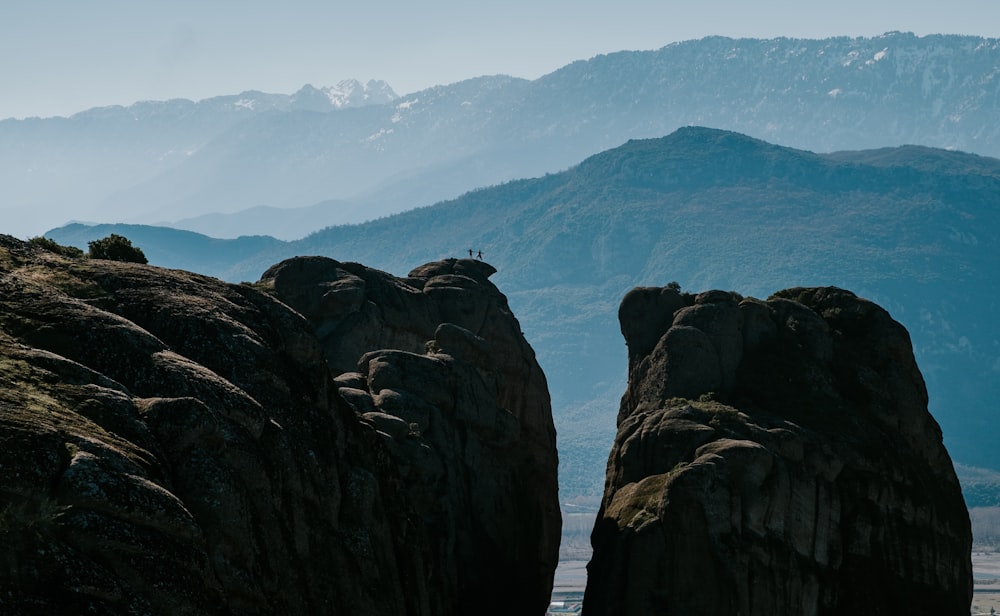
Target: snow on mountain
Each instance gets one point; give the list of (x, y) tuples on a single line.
[(353, 93), (347, 93)]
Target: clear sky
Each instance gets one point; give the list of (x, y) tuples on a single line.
[(58, 57)]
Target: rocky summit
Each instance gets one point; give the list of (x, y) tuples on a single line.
[(775, 458), (331, 439)]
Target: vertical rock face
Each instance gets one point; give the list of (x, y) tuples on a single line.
[(171, 444), (461, 406), (775, 458)]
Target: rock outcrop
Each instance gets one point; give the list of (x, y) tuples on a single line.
[(330, 440), (775, 458)]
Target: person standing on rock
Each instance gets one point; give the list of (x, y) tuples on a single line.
[(479, 255)]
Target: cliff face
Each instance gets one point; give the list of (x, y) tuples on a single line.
[(775, 458), (173, 444)]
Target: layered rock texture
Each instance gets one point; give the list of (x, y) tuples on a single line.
[(329, 440), (775, 458)]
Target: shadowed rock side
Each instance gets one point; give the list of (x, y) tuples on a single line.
[(775, 458), (487, 479), (172, 444)]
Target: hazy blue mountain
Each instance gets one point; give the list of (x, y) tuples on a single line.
[(822, 95), (915, 229), (286, 224), (302, 157), (176, 248), (64, 168)]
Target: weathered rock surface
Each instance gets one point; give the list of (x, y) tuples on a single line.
[(172, 444), (775, 458)]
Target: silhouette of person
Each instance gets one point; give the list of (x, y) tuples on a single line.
[(480, 255), (470, 253)]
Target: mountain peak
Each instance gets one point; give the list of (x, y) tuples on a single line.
[(696, 155), (687, 137), (353, 93), (346, 93)]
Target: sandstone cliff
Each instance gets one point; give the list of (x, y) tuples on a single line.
[(330, 440), (775, 458)]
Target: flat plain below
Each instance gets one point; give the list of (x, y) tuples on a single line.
[(986, 573), (571, 574)]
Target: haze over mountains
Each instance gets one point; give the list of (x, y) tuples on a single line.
[(915, 229), (178, 161), (67, 167)]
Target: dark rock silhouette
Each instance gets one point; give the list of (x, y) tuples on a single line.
[(171, 444), (775, 457)]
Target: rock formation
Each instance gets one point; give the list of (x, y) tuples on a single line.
[(330, 440), (775, 458)]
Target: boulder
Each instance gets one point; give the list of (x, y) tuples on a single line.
[(441, 352), (776, 458), (172, 444)]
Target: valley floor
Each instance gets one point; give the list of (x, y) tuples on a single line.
[(571, 577), (986, 572)]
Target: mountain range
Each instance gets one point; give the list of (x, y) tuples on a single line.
[(202, 166), (67, 167), (915, 229)]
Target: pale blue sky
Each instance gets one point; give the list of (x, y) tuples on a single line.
[(62, 56)]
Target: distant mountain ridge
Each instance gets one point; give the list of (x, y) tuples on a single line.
[(71, 164), (914, 229), (821, 95), (345, 93)]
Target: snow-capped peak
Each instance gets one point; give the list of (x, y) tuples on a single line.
[(353, 93), (347, 93)]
